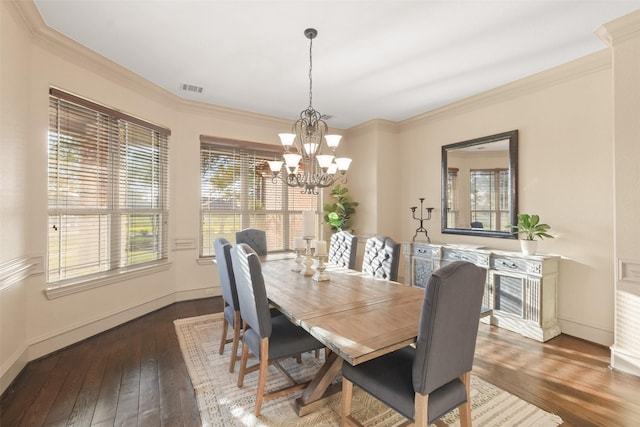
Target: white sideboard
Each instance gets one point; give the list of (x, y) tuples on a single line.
[(521, 291)]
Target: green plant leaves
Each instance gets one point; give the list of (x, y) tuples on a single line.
[(339, 213), (530, 226)]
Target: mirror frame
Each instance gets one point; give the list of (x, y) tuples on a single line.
[(512, 136)]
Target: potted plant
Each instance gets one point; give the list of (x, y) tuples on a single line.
[(338, 214), (530, 227)]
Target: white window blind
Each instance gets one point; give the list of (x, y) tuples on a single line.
[(490, 197), (452, 197), (237, 192), (108, 190)]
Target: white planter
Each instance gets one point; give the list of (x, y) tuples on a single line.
[(529, 247)]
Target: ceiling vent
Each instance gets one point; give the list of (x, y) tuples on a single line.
[(191, 88)]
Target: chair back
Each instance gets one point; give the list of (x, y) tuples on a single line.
[(448, 325), (256, 239), (381, 258), (342, 249), (225, 272), (252, 294)]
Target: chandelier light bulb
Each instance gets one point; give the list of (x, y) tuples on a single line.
[(275, 165), (287, 139), (343, 163), (325, 160), (333, 141), (292, 159), (310, 148)]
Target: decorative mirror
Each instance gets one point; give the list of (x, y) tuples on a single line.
[(480, 186)]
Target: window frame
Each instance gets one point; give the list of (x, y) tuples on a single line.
[(499, 192), (291, 218), (134, 149)]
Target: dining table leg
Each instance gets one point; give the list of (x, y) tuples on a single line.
[(321, 386)]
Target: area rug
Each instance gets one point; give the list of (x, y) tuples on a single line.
[(222, 403)]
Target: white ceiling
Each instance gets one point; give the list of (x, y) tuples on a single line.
[(372, 59)]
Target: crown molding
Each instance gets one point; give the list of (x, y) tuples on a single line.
[(595, 62), (374, 125), (64, 47), (620, 30)]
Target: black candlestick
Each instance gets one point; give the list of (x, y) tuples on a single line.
[(421, 219)]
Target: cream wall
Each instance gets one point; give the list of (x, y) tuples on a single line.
[(564, 120), (566, 156), (15, 180), (565, 175)]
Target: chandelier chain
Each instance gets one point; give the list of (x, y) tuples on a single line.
[(310, 76)]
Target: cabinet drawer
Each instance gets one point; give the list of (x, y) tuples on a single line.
[(422, 251), (516, 265), (450, 256)]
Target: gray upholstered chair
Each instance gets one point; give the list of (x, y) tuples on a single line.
[(255, 238), (342, 249), (268, 338), (428, 381), (229, 297), (381, 258)]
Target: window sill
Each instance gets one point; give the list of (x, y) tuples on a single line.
[(206, 261), (81, 285)]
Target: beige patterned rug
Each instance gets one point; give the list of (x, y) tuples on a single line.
[(223, 404)]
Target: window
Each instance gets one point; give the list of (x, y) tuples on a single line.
[(490, 197), (108, 206), (237, 192), (452, 197)]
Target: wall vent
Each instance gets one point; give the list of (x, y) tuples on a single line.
[(191, 88)]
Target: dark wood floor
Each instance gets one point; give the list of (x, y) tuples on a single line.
[(134, 375)]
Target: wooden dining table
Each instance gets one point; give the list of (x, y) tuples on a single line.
[(356, 316)]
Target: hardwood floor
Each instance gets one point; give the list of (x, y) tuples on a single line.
[(134, 375)]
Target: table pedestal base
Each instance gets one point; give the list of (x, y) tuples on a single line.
[(321, 387)]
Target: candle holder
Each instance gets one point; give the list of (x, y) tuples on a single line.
[(421, 219), (297, 267), (308, 261), (321, 275)]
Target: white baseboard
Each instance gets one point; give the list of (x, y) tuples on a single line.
[(586, 332), (12, 368), (57, 340), (624, 361)]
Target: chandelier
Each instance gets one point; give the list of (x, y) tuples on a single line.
[(309, 158)]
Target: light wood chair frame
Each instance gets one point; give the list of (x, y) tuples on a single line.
[(421, 416), (235, 339), (262, 366)]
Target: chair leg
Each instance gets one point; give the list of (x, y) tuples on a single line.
[(236, 340), (347, 394), (262, 378), (243, 364), (465, 408), (223, 339), (421, 410)]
